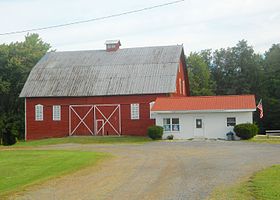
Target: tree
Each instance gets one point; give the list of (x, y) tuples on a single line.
[(237, 70), (16, 61), (271, 85), (199, 75)]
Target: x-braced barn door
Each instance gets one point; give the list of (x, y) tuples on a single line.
[(81, 120), (107, 119)]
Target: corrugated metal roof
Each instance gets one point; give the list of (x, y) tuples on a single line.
[(230, 102), (146, 70)]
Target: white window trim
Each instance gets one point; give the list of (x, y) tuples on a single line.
[(39, 109), (227, 122), (151, 113), (171, 124), (56, 117), (134, 111)]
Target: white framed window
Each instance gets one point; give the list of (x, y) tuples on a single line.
[(171, 124), (231, 121), (166, 124), (134, 111), (111, 46), (56, 112), (151, 106), (175, 124), (39, 112)]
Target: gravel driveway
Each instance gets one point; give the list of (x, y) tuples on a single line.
[(159, 170)]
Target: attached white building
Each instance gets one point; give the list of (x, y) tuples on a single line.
[(202, 116)]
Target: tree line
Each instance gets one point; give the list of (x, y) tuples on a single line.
[(239, 70), (16, 61), (232, 70)]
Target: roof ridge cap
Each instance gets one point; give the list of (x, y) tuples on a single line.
[(104, 50)]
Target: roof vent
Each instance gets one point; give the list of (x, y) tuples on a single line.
[(112, 45)]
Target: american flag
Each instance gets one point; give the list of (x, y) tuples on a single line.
[(260, 107)]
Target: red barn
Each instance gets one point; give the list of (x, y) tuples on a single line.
[(101, 92)]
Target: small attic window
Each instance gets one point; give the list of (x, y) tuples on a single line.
[(112, 45)]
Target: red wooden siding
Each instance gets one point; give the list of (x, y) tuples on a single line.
[(183, 78), (49, 128)]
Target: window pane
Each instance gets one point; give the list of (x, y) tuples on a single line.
[(166, 121), (39, 112), (167, 127), (175, 120), (166, 124), (56, 113), (175, 127), (134, 111), (231, 121), (198, 123)]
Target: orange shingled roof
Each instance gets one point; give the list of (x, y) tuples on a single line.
[(230, 102)]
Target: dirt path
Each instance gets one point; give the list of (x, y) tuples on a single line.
[(161, 170)]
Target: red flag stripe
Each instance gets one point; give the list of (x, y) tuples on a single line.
[(260, 107)]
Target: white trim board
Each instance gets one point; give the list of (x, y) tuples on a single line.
[(25, 121)]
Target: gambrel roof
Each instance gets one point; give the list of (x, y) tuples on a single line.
[(144, 70)]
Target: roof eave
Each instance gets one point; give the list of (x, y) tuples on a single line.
[(203, 111)]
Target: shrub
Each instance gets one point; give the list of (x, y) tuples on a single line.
[(8, 130), (170, 137), (246, 131), (155, 132), (8, 138)]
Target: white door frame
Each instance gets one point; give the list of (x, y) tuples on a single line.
[(102, 127), (202, 130), (97, 109), (72, 109)]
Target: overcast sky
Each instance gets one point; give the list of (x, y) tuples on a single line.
[(198, 24)]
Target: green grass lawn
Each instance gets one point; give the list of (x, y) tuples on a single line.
[(86, 140), (263, 185), (21, 168), (265, 139)]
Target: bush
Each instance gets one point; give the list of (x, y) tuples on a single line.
[(170, 137), (8, 130), (246, 131), (155, 132), (8, 138)]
